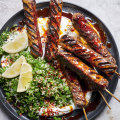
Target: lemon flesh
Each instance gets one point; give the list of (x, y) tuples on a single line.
[(25, 77), (20, 42), (14, 69)]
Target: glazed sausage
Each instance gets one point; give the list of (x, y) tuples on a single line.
[(75, 87), (95, 81), (32, 27), (54, 27), (95, 59), (84, 28)]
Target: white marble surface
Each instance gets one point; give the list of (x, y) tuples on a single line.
[(107, 10)]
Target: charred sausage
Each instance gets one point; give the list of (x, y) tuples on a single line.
[(32, 27), (95, 81), (75, 87), (54, 27), (95, 59), (84, 28)]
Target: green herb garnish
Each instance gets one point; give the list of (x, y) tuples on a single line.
[(46, 84), (4, 36)]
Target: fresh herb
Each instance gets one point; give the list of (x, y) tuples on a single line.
[(15, 25), (46, 85), (4, 36), (56, 118)]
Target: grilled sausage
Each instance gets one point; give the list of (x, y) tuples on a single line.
[(84, 28), (73, 45), (91, 77), (73, 83), (75, 87), (32, 27), (54, 27)]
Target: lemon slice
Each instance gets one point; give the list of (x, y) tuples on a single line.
[(19, 43), (14, 69), (25, 77)]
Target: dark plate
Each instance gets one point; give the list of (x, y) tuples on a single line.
[(67, 7)]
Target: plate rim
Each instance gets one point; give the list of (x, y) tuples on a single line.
[(99, 111)]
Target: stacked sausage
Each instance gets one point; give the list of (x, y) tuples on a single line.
[(54, 27), (71, 52), (32, 27), (95, 53), (95, 59)]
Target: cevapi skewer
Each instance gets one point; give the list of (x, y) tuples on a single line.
[(95, 59), (95, 80), (51, 48), (76, 89), (85, 29), (53, 35), (72, 45), (32, 27), (54, 27), (92, 79)]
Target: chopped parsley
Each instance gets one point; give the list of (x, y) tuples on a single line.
[(3, 37), (46, 85), (56, 118)]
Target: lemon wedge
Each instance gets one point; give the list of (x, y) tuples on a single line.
[(19, 43), (14, 69), (25, 77)]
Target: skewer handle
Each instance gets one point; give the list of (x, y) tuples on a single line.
[(85, 113), (117, 74), (112, 95), (105, 100)]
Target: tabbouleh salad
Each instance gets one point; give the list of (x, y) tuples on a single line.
[(46, 84)]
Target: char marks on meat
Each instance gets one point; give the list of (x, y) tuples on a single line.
[(74, 46), (75, 87), (32, 27), (93, 80), (84, 28), (54, 27), (52, 49)]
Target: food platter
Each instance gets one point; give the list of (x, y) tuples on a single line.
[(70, 8)]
